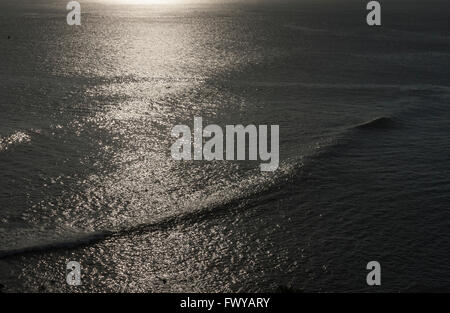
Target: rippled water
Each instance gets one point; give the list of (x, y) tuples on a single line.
[(86, 115)]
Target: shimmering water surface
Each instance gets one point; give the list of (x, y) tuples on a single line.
[(85, 165)]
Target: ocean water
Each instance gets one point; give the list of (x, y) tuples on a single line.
[(86, 173)]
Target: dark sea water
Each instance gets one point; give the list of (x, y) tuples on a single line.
[(86, 172)]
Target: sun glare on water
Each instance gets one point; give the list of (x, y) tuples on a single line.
[(143, 2)]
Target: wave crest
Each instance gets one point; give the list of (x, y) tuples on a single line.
[(378, 123)]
